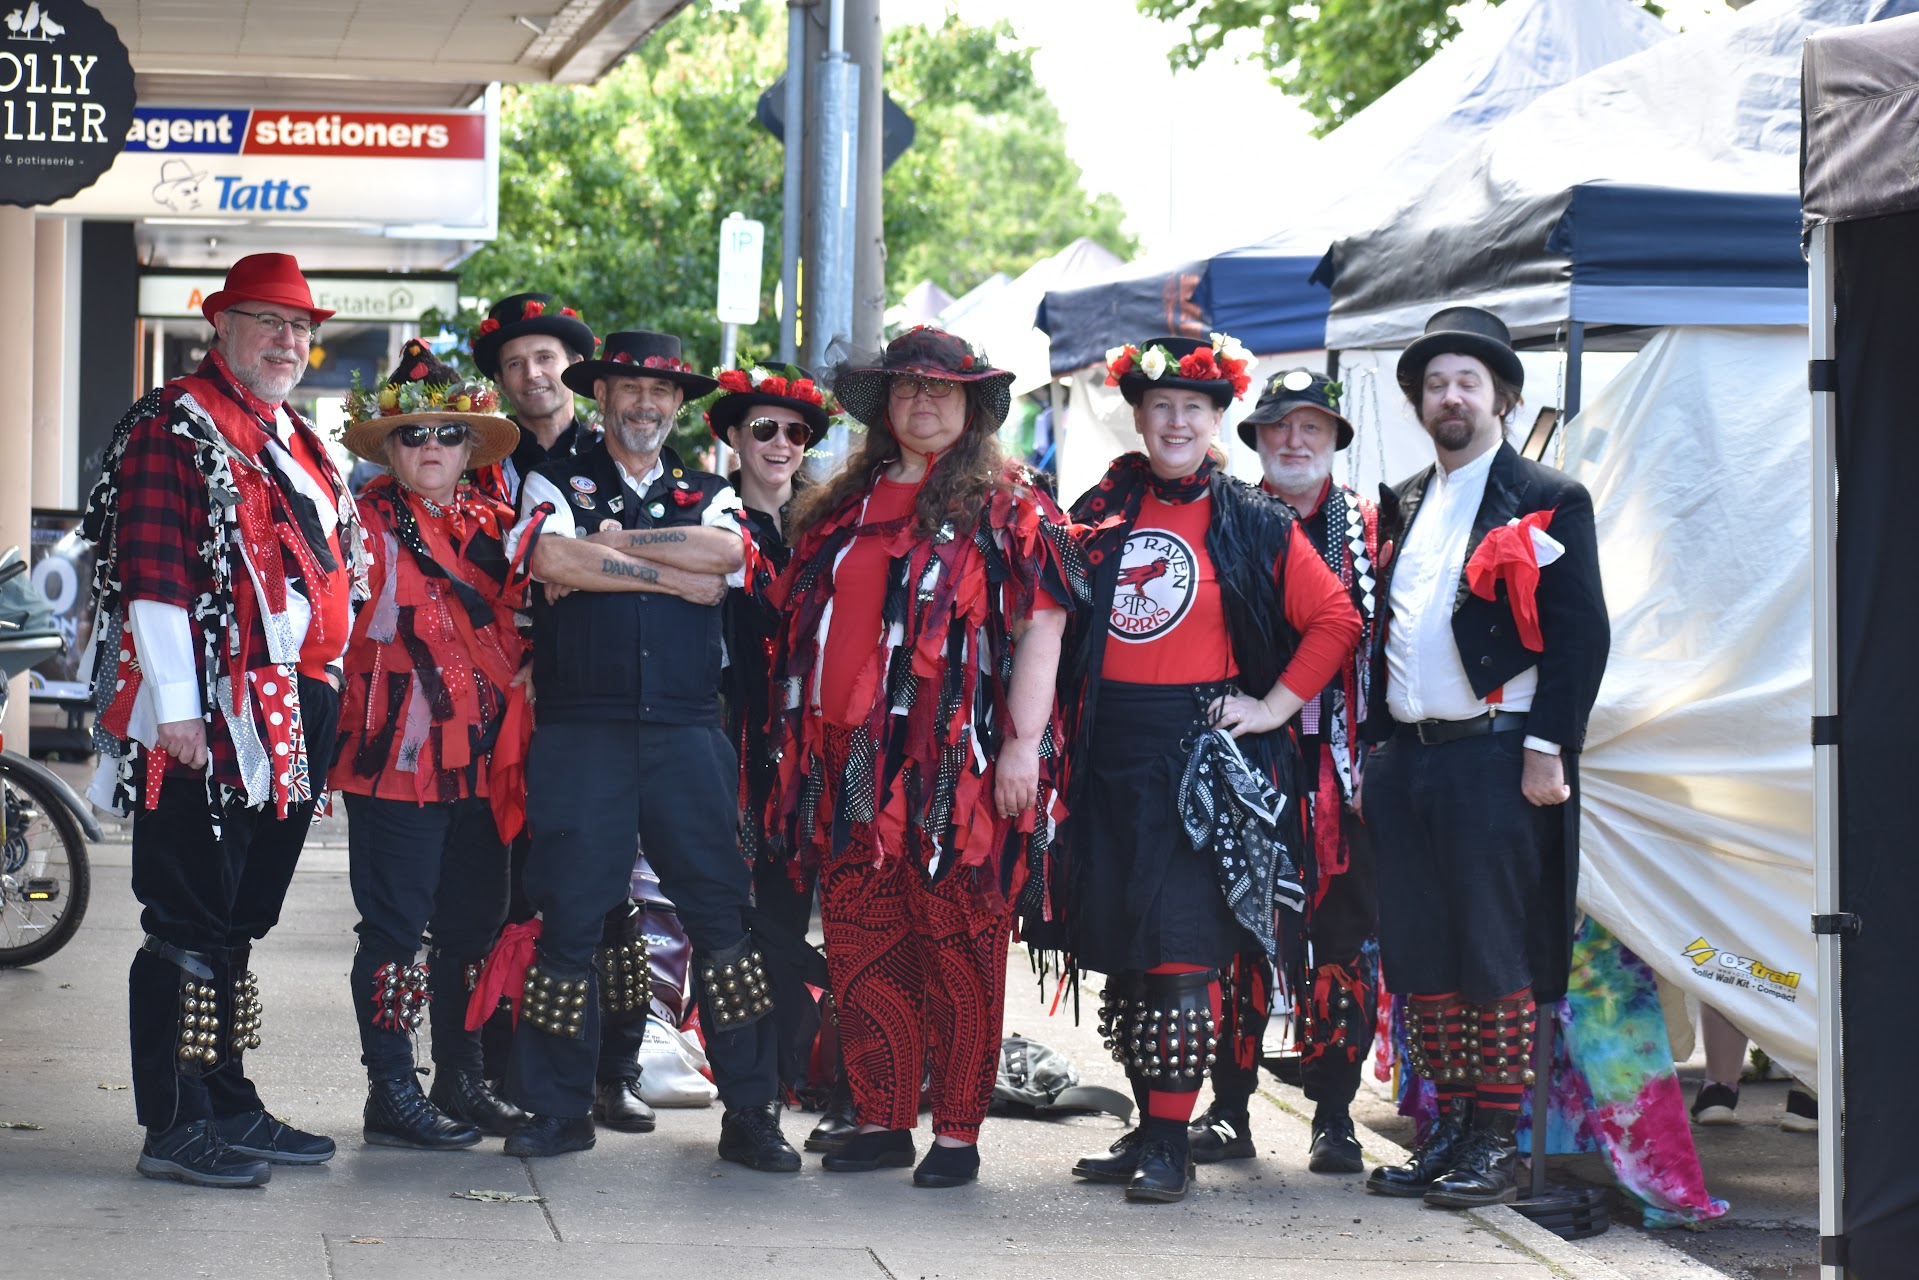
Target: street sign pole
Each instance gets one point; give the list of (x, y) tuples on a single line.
[(742, 259)]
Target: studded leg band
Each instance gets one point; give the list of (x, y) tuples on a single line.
[(735, 985)]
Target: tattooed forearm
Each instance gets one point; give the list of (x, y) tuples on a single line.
[(627, 569), (654, 537)]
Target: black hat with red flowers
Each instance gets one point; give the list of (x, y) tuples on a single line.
[(783, 386), (637, 353), (923, 352), (1220, 368), (524, 315)]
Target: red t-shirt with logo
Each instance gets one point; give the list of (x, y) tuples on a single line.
[(1168, 624)]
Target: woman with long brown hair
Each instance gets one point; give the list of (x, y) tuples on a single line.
[(916, 736)]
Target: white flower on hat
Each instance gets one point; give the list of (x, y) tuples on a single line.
[(758, 375), (1114, 353), (1226, 346), (1153, 362)]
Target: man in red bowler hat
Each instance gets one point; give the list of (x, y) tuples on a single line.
[(229, 552)]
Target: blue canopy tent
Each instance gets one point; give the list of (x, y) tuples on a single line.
[(1261, 292)]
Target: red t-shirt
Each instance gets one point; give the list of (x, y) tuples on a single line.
[(1168, 624)]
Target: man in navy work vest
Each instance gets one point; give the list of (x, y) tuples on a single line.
[(635, 550)]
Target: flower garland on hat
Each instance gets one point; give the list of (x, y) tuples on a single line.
[(532, 309), (786, 383), (1224, 361), (471, 395), (674, 363)]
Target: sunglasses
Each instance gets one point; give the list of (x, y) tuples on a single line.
[(765, 429), (415, 434), (905, 387)]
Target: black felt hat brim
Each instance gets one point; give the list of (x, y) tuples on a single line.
[(570, 330), (1492, 353), (583, 375), (862, 392), (730, 410)]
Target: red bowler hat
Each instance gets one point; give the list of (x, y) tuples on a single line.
[(265, 277)]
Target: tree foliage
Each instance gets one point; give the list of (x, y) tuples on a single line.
[(1335, 56)]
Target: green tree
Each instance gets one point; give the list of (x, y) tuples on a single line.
[(1335, 56)]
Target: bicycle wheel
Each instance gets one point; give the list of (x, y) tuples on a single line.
[(44, 877)]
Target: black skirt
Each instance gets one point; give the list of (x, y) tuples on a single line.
[(1141, 894)]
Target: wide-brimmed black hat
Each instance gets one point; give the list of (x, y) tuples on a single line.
[(422, 388), (925, 352), (638, 353), (1288, 390), (1466, 331), (784, 386), (1226, 378), (524, 315)]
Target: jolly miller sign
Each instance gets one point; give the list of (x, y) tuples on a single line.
[(66, 100)]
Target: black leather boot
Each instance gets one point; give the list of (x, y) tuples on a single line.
[(1432, 1158), (1486, 1168), (837, 1121), (1335, 1148), (551, 1136), (617, 1105), (1165, 1163), (751, 1136), (398, 1115), (465, 1096), (1118, 1164)]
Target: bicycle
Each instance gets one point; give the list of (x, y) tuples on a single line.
[(45, 878)]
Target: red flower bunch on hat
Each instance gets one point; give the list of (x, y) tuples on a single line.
[(489, 325), (569, 313), (532, 309), (736, 381), (666, 362), (1120, 362), (622, 357), (765, 382)]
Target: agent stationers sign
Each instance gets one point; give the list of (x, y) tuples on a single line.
[(66, 99)]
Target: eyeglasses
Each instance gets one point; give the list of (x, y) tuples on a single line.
[(415, 434), (905, 387), (765, 429), (273, 324)]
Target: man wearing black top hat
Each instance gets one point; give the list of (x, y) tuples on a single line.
[(635, 550), (525, 344), (1487, 662), (1331, 949)]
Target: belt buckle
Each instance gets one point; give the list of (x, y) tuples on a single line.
[(1419, 728)]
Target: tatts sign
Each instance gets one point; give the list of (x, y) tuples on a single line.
[(66, 99), (386, 168)]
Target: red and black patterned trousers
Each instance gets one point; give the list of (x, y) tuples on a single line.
[(915, 966)]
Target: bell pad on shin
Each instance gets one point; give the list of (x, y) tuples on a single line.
[(200, 1042), (735, 985), (1436, 1042), (626, 979), (246, 1011), (555, 1004), (400, 995), (1504, 1039), (1169, 1036)]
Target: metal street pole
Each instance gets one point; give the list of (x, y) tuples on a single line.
[(830, 260), (865, 45), (790, 209)]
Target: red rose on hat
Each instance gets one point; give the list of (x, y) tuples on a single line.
[(488, 325), (569, 313), (736, 381), (805, 390), (532, 309), (774, 385)]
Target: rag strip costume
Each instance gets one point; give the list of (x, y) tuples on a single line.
[(892, 667), (220, 508), (1329, 957), (432, 761), (1485, 651), (1201, 585)]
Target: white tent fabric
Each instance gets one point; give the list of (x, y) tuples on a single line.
[(1697, 841), (1002, 322), (1862, 95)]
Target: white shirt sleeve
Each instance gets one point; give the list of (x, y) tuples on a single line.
[(535, 490), (1540, 744), (723, 512), (163, 637)]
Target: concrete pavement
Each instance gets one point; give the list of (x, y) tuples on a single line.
[(71, 1204)]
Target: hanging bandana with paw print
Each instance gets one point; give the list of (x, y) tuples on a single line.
[(1231, 813)]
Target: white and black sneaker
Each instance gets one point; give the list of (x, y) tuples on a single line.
[(1715, 1104), (1217, 1136), (194, 1153)]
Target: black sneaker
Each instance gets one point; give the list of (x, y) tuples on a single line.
[(1802, 1113), (1715, 1104), (1217, 1136), (257, 1134), (194, 1153), (865, 1152), (751, 1136), (1335, 1148), (947, 1166)]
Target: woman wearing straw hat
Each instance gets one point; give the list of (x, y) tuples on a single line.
[(433, 731), (917, 745), (1210, 611)]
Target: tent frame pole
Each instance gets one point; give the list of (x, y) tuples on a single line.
[(1575, 367), (1822, 337)]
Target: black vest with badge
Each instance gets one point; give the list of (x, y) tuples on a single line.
[(627, 655)]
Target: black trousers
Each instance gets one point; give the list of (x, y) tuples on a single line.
[(214, 896), (590, 787), (1461, 864), (417, 868), (782, 913)]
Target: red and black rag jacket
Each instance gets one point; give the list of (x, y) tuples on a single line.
[(918, 778)]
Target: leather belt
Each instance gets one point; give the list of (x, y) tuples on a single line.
[(1432, 733)]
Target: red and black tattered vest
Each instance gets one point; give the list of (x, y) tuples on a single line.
[(431, 713)]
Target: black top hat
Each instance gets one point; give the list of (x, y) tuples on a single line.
[(637, 353), (1226, 380), (523, 315), (1466, 331), (785, 386), (1286, 391), (925, 352)]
